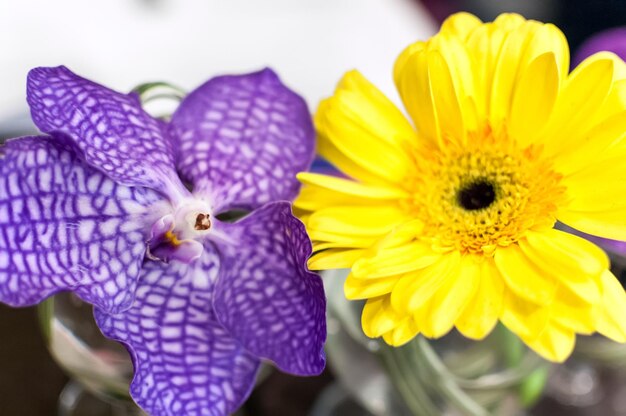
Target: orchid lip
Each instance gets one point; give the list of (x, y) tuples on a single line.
[(175, 236)]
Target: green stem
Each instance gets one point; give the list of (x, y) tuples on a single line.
[(443, 379), (164, 96), (506, 378), (45, 310), (511, 345), (159, 90), (601, 351), (143, 88), (411, 390)]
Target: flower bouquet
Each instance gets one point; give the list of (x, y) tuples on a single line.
[(179, 230)]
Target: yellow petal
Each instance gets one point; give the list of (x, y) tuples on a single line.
[(355, 220), (506, 71), (523, 277), (338, 241), (370, 108), (402, 235), (594, 204), (523, 318), (616, 100), (446, 102), (334, 259), (413, 82), (509, 21), (379, 317), (602, 135), (355, 288), (608, 224), (313, 197), (416, 288), (323, 240), (459, 64), (460, 25), (404, 59), (533, 99), (595, 187), (611, 319), (555, 343), (349, 187), (395, 260), (583, 93), (525, 42), (366, 132), (451, 299), (398, 237), (482, 312), (327, 150), (596, 145), (573, 261), (572, 313), (401, 334), (484, 46), (548, 38)]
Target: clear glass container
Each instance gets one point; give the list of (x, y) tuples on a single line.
[(450, 376), (100, 368)]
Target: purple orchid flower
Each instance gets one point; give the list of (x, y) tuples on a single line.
[(97, 206)]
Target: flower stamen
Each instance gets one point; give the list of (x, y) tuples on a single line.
[(484, 195)]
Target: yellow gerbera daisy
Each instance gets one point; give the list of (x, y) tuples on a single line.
[(449, 222)]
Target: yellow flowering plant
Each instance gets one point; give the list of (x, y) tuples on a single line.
[(449, 221)]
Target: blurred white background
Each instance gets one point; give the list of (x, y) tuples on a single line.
[(122, 43)]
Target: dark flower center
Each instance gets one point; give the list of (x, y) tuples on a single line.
[(476, 195)]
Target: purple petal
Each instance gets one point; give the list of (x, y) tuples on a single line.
[(66, 226), (266, 297), (243, 139), (185, 362), (115, 134)]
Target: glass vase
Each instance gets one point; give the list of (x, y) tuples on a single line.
[(450, 376), (100, 368)]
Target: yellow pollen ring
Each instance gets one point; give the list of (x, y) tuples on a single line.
[(171, 237), (520, 192)]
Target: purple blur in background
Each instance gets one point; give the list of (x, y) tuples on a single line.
[(613, 40)]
